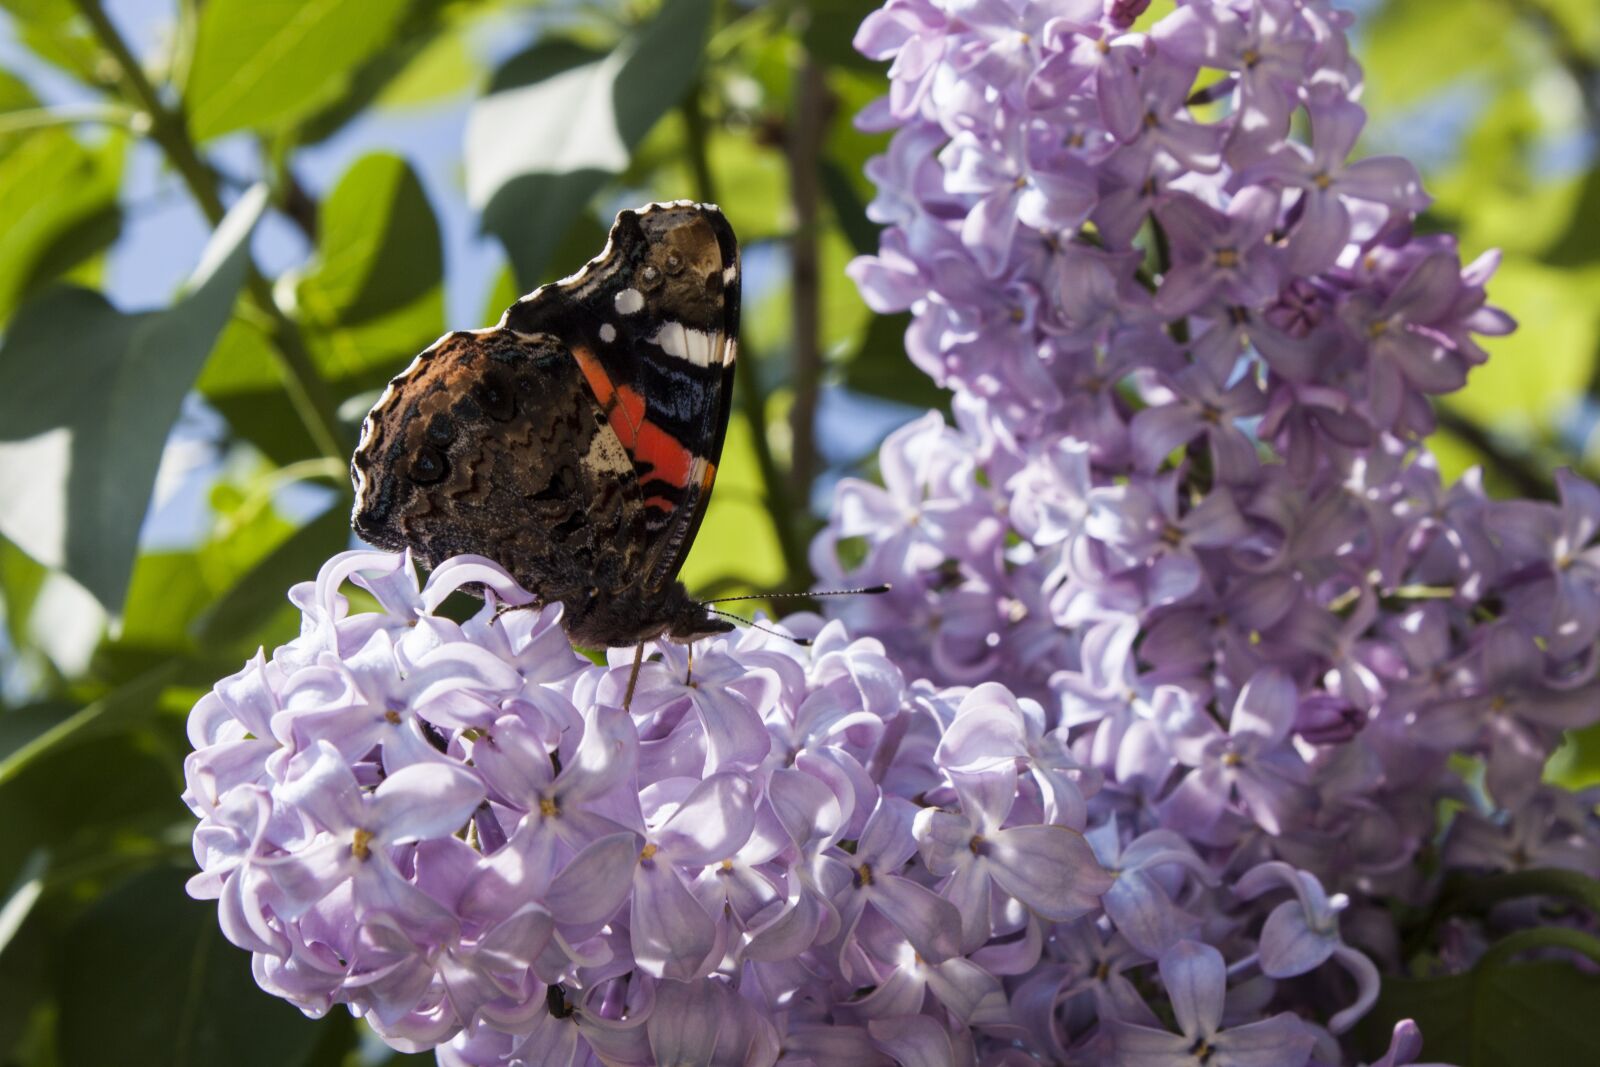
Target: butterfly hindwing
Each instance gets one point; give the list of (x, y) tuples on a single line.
[(491, 444)]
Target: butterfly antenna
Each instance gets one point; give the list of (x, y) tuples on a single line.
[(866, 590), (803, 642)]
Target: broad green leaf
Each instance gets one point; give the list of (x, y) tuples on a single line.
[(146, 977), (830, 27), (575, 126), (378, 254), (1510, 1015), (53, 190), (266, 63), (30, 737), (77, 464), (1533, 374), (409, 67), (165, 591), (370, 301)]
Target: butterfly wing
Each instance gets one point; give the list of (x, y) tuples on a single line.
[(653, 325), (491, 443)]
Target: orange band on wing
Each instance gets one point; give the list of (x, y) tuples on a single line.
[(644, 440)]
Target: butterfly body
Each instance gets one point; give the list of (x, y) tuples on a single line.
[(575, 443)]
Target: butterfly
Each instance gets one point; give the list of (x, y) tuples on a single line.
[(576, 442)]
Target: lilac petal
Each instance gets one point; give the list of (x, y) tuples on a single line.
[(928, 921), (672, 935), (913, 1040), (1196, 982), (596, 882), (1388, 180), (1281, 1041), (1145, 914), (712, 823), (1289, 946), (1144, 1046), (1266, 707), (1051, 869), (324, 789), (735, 736), (424, 800), (1321, 234), (685, 1025), (605, 757), (1156, 431), (988, 730)]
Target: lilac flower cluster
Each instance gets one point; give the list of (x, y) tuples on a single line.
[(459, 832), (1186, 507)]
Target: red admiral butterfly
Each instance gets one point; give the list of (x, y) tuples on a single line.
[(576, 442)]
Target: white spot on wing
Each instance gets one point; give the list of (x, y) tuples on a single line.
[(629, 301), (696, 346), (730, 352), (608, 332), (730, 274)]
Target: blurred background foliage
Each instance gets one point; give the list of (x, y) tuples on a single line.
[(227, 223)]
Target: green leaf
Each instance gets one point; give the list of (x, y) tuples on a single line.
[(166, 590), (378, 254), (371, 300), (59, 200), (1508, 1015), (146, 977), (243, 610), (46, 731), (576, 124), (266, 63), (77, 464)]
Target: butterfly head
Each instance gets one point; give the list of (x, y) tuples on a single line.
[(595, 618)]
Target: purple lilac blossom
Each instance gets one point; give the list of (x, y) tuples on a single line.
[(458, 833), (1216, 553)]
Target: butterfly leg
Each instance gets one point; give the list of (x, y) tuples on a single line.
[(633, 675), (688, 675)]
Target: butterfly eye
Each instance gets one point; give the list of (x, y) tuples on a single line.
[(428, 465)]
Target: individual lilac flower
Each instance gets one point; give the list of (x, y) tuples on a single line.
[(1140, 526), (355, 832), (1252, 760), (1202, 405), (1219, 255), (1302, 934), (1327, 181), (1048, 868), (1563, 539), (1140, 900), (1267, 47), (869, 876), (1195, 979)]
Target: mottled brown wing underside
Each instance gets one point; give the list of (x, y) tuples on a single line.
[(491, 443)]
